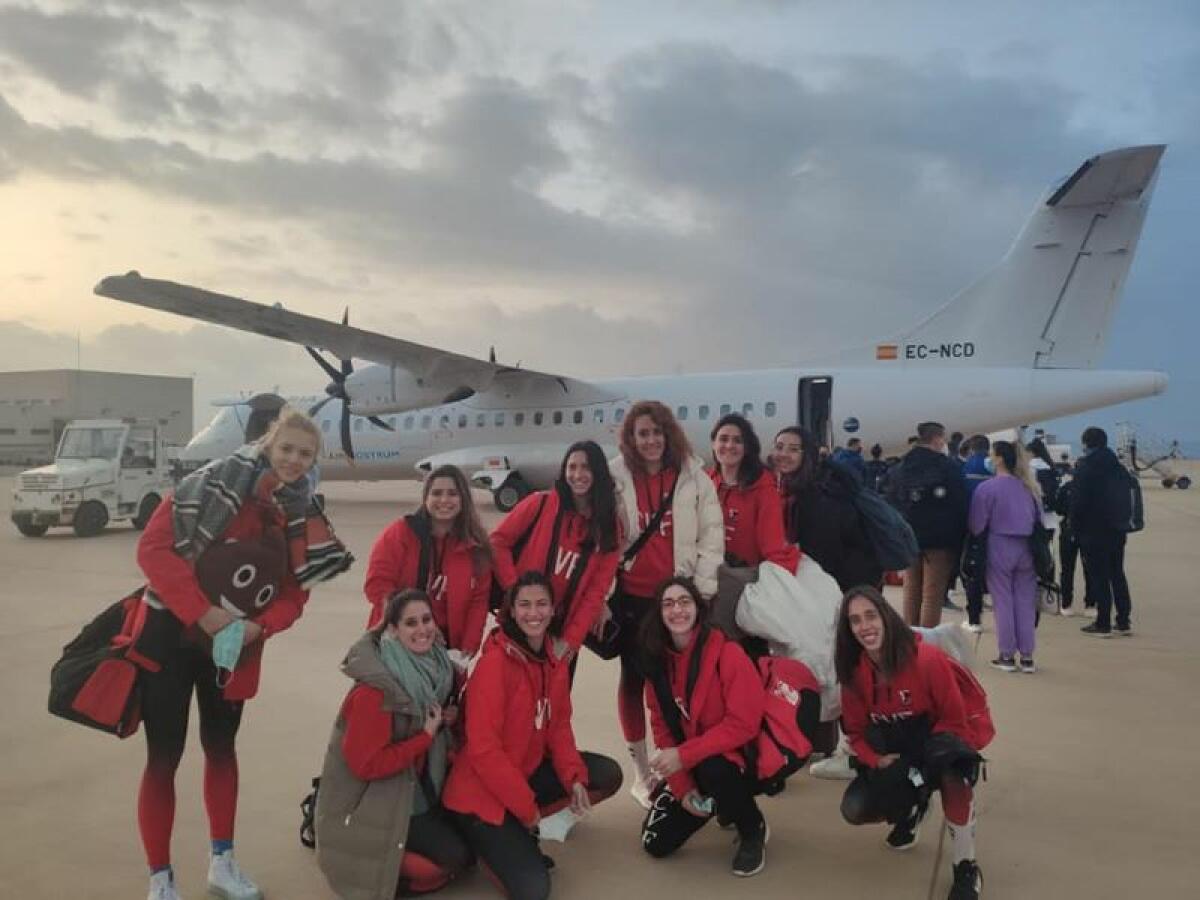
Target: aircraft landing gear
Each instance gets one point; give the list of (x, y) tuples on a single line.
[(509, 494)]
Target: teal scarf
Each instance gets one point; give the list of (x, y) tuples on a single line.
[(428, 679)]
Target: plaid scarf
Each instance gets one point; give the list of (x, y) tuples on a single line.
[(209, 499)]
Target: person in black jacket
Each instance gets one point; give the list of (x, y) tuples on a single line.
[(1101, 544), (928, 488)]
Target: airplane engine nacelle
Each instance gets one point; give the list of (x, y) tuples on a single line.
[(378, 390)]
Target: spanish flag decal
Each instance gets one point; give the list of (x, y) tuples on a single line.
[(886, 351)]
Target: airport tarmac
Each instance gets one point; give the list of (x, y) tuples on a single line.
[(1088, 781)]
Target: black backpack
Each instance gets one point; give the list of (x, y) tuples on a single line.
[(1049, 481), (1123, 510)]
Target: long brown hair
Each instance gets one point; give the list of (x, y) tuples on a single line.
[(653, 637), (466, 528), (676, 448), (899, 643)]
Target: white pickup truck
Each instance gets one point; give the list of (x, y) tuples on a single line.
[(105, 470)]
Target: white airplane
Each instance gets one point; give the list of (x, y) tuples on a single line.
[(1017, 346)]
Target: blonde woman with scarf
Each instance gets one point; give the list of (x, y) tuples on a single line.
[(381, 829)]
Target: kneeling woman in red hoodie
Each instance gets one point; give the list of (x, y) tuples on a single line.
[(905, 718), (520, 761), (712, 707)]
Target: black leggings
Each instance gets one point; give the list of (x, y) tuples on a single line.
[(510, 850), (668, 826), (434, 836), (629, 613)]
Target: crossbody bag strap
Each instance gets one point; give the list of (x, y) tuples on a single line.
[(636, 547)]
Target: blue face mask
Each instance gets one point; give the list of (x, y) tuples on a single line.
[(227, 647), (990, 465)]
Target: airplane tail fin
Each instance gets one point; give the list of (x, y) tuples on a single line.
[(1050, 301)]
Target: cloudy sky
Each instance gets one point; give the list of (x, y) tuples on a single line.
[(596, 188)]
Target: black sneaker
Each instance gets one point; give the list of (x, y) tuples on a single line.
[(968, 881), (904, 834), (751, 855), (1126, 631), (1095, 630)]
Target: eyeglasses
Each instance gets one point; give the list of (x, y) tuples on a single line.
[(680, 602)]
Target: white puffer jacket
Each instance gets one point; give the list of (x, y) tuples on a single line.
[(698, 525)]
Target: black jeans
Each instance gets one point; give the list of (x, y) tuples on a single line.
[(1068, 554), (1104, 570), (668, 826), (510, 850), (434, 836)]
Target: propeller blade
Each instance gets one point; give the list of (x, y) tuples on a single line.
[(316, 408), (375, 420), (333, 373), (347, 445)]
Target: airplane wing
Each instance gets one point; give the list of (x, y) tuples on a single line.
[(431, 365)]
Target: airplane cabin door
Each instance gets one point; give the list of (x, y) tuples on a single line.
[(815, 407)]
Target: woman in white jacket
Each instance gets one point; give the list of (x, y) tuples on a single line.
[(673, 527)]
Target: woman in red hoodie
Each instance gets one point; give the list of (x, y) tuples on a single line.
[(256, 497), (706, 703), (571, 534), (750, 500), (904, 716), (441, 549), (520, 761)]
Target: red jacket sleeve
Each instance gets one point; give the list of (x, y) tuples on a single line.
[(949, 711), (477, 613), (854, 724), (769, 532), (507, 533), (367, 744), (169, 574), (593, 591), (385, 567), (744, 699), (286, 608), (486, 713), (681, 782), (564, 755)]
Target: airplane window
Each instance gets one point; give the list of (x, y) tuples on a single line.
[(702, 411), (725, 408), (426, 421), (558, 417), (358, 423), (747, 409), (519, 419), (769, 409), (498, 420), (538, 417), (681, 414), (408, 423), (598, 415), (577, 416), (325, 425), (462, 420), (619, 415), (445, 421), (481, 420)]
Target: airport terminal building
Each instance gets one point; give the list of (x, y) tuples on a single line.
[(36, 406)]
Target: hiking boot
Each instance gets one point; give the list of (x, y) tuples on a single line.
[(1095, 630), (904, 834), (751, 855), (968, 881), (162, 886), (227, 881), (834, 768), (1004, 663), (1027, 666)]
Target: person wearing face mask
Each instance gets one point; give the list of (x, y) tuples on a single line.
[(441, 549), (571, 533), (907, 720), (381, 829), (520, 762), (1005, 507), (749, 497), (715, 709), (258, 492), (674, 525)]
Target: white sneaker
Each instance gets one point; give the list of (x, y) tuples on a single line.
[(834, 768), (162, 886), (227, 881), (1066, 611), (974, 629), (641, 791)]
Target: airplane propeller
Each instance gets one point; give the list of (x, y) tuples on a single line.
[(336, 389)]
